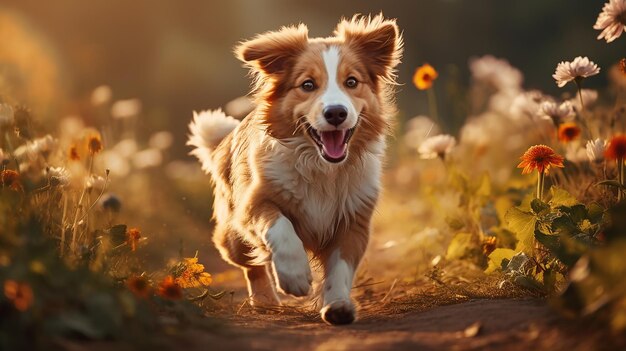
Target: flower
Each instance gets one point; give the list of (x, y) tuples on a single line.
[(489, 244), (132, 238), (139, 286), (20, 294), (496, 72), (169, 289), (59, 176), (541, 158), (616, 150), (555, 112), (161, 140), (595, 150), (10, 179), (526, 104), (73, 153), (193, 275), (31, 151), (437, 146), (101, 95), (94, 143), (6, 115), (95, 182), (110, 202), (578, 69), (424, 77), (126, 108), (622, 65), (612, 20), (568, 131)]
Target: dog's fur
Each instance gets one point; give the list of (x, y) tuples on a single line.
[(283, 187)]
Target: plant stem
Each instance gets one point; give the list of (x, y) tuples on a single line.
[(620, 172), (583, 119), (432, 105), (540, 181)]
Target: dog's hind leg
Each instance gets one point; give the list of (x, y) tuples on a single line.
[(233, 248)]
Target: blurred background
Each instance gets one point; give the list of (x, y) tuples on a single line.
[(177, 56)]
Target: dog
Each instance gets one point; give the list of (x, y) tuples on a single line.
[(300, 175)]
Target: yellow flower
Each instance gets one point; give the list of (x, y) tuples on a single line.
[(541, 158), (424, 77), (193, 275)]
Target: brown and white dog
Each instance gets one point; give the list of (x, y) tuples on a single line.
[(301, 173)]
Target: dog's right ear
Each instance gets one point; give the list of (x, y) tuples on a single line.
[(272, 52)]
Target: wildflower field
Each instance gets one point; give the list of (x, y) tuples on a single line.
[(502, 223)]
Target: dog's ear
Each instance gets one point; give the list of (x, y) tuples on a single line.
[(376, 39), (272, 52)]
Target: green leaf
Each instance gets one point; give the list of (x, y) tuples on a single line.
[(523, 225), (459, 246), (561, 197), (497, 257), (568, 254), (539, 206), (596, 212)]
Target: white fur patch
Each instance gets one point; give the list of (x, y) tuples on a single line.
[(323, 193), (334, 95), (208, 128), (338, 282), (289, 260)]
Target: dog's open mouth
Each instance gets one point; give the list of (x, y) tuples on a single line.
[(333, 144)]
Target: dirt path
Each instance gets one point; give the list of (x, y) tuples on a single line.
[(501, 324)]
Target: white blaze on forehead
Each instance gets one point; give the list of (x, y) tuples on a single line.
[(334, 95)]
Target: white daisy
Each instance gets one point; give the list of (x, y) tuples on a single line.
[(526, 104), (437, 146), (101, 95), (595, 150), (555, 112), (122, 109), (59, 176), (95, 182), (612, 20), (578, 69), (497, 72)]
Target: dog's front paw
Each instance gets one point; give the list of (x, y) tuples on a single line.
[(339, 312), (293, 273)]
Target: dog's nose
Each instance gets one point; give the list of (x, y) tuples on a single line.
[(335, 114)]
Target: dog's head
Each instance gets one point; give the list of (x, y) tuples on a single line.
[(334, 91)]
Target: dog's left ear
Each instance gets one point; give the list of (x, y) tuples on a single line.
[(377, 38), (271, 52)]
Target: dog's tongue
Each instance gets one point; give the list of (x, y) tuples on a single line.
[(332, 142)]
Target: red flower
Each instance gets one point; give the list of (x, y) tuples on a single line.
[(541, 158), (616, 150)]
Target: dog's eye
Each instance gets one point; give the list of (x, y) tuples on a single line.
[(351, 82), (308, 85)]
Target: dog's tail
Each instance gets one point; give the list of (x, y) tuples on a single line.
[(207, 129)]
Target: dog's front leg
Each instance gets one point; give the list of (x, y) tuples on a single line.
[(290, 262), (339, 268)]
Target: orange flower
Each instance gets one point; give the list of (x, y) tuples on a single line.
[(568, 131), (489, 244), (73, 154), (622, 66), (10, 179), (424, 77), (139, 286), (20, 294), (133, 235), (616, 150), (194, 275), (541, 158), (169, 289), (94, 144)]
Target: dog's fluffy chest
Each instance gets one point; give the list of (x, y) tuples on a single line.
[(319, 194)]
